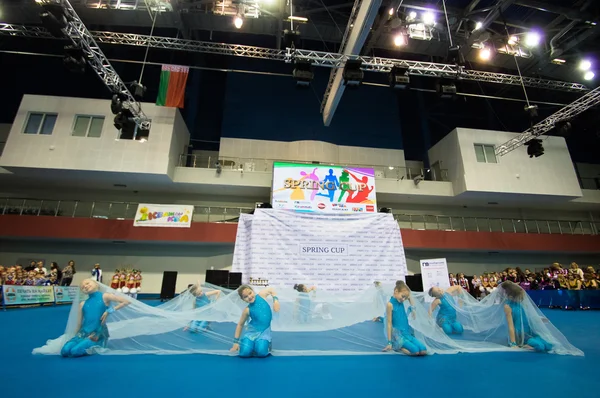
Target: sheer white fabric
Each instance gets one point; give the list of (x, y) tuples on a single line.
[(318, 323)]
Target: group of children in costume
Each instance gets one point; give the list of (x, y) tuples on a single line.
[(127, 281)]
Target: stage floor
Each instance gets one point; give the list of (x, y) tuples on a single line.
[(489, 375)]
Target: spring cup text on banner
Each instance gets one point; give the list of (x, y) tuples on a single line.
[(435, 274), (177, 216), (23, 295), (323, 188), (337, 252)]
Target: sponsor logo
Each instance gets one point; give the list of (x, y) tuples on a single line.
[(357, 209), (370, 208), (321, 206)]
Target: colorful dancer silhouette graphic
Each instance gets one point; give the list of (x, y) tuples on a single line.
[(360, 196), (331, 184), (345, 186)]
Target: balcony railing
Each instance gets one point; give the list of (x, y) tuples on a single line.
[(127, 210), (266, 165)]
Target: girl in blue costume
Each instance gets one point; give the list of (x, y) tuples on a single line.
[(398, 331), (303, 303), (446, 316), (256, 340), (92, 331), (202, 299), (520, 333)]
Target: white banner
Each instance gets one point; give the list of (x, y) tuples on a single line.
[(435, 274), (24, 295), (148, 215), (332, 251), (66, 294)]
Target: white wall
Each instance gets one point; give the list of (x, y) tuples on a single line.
[(476, 263), (448, 153), (191, 261), (308, 151), (551, 174), (61, 150)]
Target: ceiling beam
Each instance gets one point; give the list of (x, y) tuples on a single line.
[(359, 25)]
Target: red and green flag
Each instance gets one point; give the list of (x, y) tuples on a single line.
[(171, 91)]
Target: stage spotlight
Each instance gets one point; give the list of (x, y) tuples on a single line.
[(412, 16), (399, 78), (291, 38), (563, 128), (238, 21), (455, 56), (589, 75), (428, 18), (485, 54), (117, 102), (138, 90), (74, 59), (534, 148), (446, 88), (352, 74), (54, 19), (391, 12), (585, 65), (532, 110), (513, 40), (532, 39), (478, 26), (303, 73), (400, 40)]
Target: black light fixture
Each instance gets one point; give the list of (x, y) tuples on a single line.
[(138, 90), (455, 56), (303, 73), (399, 78), (563, 128), (54, 19), (532, 110), (291, 38), (534, 148), (353, 75), (74, 59), (446, 88)]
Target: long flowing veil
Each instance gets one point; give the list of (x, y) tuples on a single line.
[(319, 323)]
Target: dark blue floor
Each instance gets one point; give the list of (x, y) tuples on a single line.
[(487, 375)]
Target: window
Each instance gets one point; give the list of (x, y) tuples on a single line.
[(88, 126), (485, 153), (40, 123)]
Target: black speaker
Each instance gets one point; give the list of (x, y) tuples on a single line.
[(235, 280), (217, 277), (167, 291)]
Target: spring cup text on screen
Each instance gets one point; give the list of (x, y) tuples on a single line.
[(325, 185), (323, 250)]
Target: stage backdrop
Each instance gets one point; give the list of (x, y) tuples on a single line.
[(332, 251), (323, 188)]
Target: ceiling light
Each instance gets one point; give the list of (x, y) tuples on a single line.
[(412, 15), (428, 18), (589, 75), (478, 25), (532, 39), (399, 40), (485, 53), (513, 40), (585, 65), (558, 61), (391, 11), (238, 21)]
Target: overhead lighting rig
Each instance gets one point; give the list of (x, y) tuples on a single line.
[(61, 20)]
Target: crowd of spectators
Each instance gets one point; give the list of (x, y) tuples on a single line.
[(36, 274), (555, 277)]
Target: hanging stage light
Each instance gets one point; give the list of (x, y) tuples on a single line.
[(303, 73), (534, 148), (74, 59), (399, 78), (353, 75), (446, 88), (54, 19)]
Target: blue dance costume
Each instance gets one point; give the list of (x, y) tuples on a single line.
[(256, 338), (402, 333), (81, 344), (200, 326), (304, 304), (523, 333), (446, 317)]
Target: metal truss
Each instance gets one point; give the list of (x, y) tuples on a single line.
[(83, 39), (584, 103), (317, 58)]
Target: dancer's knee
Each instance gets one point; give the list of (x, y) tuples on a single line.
[(261, 348), (246, 348), (457, 328)]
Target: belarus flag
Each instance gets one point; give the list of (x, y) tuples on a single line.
[(172, 86)]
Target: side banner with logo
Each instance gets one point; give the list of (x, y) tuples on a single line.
[(323, 188), (23, 295), (435, 274), (337, 252), (66, 294), (178, 216)]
